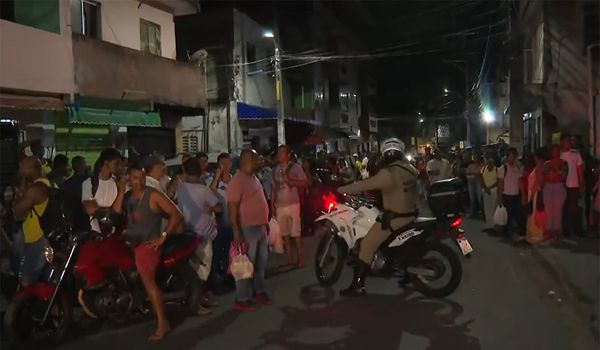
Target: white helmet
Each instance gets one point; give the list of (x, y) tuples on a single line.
[(391, 146)]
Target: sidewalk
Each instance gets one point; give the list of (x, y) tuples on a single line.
[(575, 267)]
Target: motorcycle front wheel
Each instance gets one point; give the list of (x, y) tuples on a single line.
[(329, 260), (22, 317), (442, 271)]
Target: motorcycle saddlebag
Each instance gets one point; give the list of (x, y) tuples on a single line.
[(445, 198)]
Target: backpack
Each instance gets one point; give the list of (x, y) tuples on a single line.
[(53, 217)]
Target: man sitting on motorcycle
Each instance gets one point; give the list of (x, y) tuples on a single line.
[(397, 180)]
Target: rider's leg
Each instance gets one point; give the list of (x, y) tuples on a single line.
[(368, 247)]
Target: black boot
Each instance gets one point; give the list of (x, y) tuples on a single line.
[(358, 283)]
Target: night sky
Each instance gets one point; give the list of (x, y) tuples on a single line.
[(429, 33)]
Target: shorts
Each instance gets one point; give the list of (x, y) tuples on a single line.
[(288, 218), (32, 262), (147, 259), (202, 261)]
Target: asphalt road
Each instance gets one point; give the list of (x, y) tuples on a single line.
[(509, 299)]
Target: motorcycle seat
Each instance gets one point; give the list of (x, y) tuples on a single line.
[(425, 222), (177, 241)]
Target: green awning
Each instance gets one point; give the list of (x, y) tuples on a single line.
[(99, 116)]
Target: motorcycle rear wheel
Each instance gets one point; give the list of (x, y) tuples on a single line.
[(454, 266), (21, 329), (327, 243)]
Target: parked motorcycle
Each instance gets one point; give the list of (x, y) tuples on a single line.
[(100, 267), (417, 254), (43, 311)]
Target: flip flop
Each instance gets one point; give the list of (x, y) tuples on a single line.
[(156, 337)]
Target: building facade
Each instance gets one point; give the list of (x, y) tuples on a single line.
[(322, 96), (92, 74), (554, 72)]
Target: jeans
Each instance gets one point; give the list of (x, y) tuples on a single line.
[(572, 213), (515, 212), (32, 261), (258, 253), (474, 195), (221, 247)]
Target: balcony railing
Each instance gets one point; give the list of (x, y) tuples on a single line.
[(111, 71)]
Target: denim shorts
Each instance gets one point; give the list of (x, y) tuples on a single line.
[(32, 261)]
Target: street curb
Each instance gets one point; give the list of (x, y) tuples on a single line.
[(583, 306)]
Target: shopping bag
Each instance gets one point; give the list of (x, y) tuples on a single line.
[(500, 216), (236, 249), (275, 239), (201, 260), (240, 265), (274, 231)]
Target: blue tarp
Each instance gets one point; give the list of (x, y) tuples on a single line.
[(249, 112)]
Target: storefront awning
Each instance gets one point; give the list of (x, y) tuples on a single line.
[(98, 116), (250, 112)]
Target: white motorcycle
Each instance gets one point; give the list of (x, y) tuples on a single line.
[(415, 255)]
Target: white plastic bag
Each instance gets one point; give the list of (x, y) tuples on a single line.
[(275, 239), (500, 216), (241, 267)]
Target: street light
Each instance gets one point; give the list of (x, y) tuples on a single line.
[(446, 91), (488, 118), (278, 89), (421, 120)]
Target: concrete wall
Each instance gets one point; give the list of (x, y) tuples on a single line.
[(37, 60), (121, 24), (257, 89), (217, 129), (138, 75)]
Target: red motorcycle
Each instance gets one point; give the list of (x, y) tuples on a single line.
[(98, 270)]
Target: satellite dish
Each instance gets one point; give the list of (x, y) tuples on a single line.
[(199, 56)]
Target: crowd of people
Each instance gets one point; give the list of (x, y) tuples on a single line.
[(221, 207), (543, 193)]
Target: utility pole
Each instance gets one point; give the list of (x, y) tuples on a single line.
[(467, 105), (465, 70), (279, 96), (592, 99)]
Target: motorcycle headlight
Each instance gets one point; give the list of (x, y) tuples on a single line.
[(49, 254)]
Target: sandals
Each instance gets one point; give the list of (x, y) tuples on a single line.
[(156, 336)]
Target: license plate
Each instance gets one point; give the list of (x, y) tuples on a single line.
[(464, 245)]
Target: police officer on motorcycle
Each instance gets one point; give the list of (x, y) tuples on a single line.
[(397, 181)]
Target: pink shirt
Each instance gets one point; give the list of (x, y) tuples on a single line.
[(248, 191)]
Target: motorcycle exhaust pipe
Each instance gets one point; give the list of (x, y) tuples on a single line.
[(420, 271)]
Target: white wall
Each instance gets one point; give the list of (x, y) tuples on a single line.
[(121, 24), (37, 60), (259, 89), (217, 129)]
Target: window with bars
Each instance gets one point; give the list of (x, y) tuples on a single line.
[(150, 37), (90, 18), (190, 143)]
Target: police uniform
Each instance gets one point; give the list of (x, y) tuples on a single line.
[(398, 185)]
